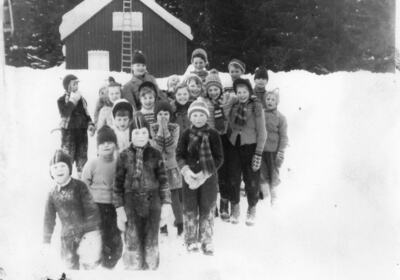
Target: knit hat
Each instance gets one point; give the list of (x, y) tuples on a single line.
[(111, 79), (261, 73), (67, 79), (238, 64), (61, 156), (163, 106), (245, 82), (198, 106), (138, 57), (213, 80), (106, 134), (193, 77), (122, 105), (147, 84), (200, 53), (114, 84), (139, 121)]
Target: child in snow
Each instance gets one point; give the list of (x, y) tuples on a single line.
[(165, 136), (274, 149), (247, 136), (180, 107), (103, 98), (199, 61), (78, 213), (75, 122), (141, 194), (195, 86), (172, 83), (122, 114), (148, 95), (99, 174), (260, 81), (236, 69), (105, 115), (130, 91), (199, 156)]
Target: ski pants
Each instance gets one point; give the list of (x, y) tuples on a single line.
[(75, 143)]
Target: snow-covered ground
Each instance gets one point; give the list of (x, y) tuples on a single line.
[(338, 213)]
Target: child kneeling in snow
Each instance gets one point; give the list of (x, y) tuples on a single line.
[(99, 174), (274, 149), (141, 187), (79, 215), (199, 156)]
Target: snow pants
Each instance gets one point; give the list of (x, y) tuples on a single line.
[(198, 211), (223, 171), (75, 143), (69, 251), (240, 165), (110, 235), (141, 236), (175, 183)]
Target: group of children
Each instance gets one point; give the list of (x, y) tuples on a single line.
[(179, 147)]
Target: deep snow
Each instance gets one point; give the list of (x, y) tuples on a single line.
[(337, 215)]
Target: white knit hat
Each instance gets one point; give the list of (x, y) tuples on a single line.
[(198, 106)]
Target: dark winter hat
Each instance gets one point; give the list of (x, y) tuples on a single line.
[(200, 53), (106, 134), (245, 82), (122, 105), (139, 122), (67, 79), (213, 79), (111, 80), (147, 84), (261, 73), (138, 57), (61, 156), (198, 106), (238, 64), (163, 106), (114, 84)]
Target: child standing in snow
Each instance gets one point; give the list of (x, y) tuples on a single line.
[(103, 98), (140, 192), (75, 122), (180, 107), (78, 213), (274, 149), (260, 81), (148, 95), (122, 113), (165, 136), (105, 115), (236, 69), (199, 61), (99, 175), (195, 86), (247, 136), (130, 90), (199, 156)]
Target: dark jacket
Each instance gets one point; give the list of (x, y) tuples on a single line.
[(76, 209), (130, 91), (73, 116), (180, 116)]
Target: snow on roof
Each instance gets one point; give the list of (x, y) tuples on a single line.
[(88, 8)]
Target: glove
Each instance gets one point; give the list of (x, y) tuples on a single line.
[(280, 156), (91, 130), (121, 218), (256, 162), (165, 213)]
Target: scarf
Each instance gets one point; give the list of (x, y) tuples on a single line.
[(200, 137), (219, 117), (241, 116), (139, 160)]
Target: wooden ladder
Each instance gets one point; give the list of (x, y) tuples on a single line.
[(126, 44)]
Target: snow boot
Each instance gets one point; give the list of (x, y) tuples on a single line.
[(164, 230), (179, 228), (272, 193), (192, 247), (251, 215), (235, 213), (224, 209), (208, 249)]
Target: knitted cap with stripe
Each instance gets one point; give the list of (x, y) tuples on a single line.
[(238, 64), (213, 79), (198, 106)]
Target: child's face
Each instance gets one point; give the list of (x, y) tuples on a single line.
[(106, 148), (140, 137), (172, 83), (60, 172), (235, 72), (114, 93), (163, 115), (194, 88), (198, 119), (121, 122), (147, 100), (214, 92), (242, 93), (271, 101), (73, 86), (139, 69), (260, 82), (182, 96), (198, 63)]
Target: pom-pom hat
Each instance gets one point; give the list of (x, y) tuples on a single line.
[(138, 57), (261, 73)]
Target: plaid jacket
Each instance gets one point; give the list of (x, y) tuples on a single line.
[(73, 116)]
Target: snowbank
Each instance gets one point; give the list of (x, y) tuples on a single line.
[(337, 215)]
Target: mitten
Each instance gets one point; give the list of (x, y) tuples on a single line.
[(91, 129), (256, 162), (280, 156), (121, 218), (188, 174)]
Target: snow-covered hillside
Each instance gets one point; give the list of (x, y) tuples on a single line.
[(338, 210)]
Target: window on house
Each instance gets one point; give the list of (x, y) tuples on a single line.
[(132, 21)]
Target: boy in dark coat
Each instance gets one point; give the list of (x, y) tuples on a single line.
[(261, 81), (199, 156), (140, 192), (75, 122), (77, 211)]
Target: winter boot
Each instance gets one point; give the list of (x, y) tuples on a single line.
[(192, 247), (224, 209), (251, 215), (272, 193), (164, 230), (179, 227), (235, 213), (208, 249)]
